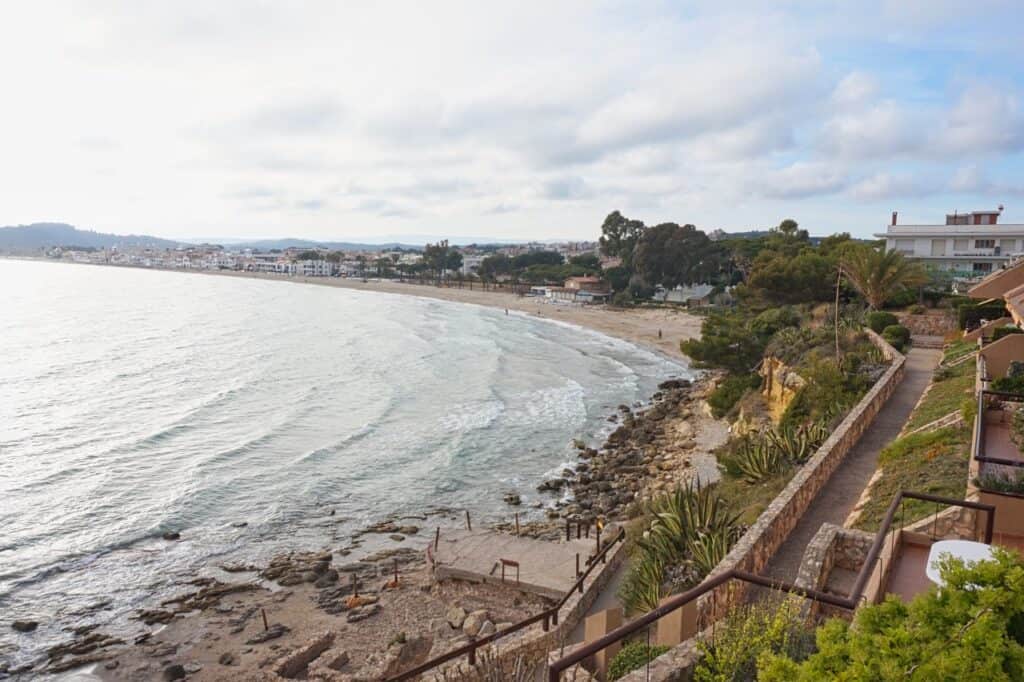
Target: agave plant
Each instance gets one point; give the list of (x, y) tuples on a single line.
[(708, 549), (797, 444), (758, 460), (644, 585)]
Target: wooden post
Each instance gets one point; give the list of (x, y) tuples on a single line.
[(396, 572), (264, 614), (517, 524), (355, 584), (469, 524), (437, 538), (577, 565)]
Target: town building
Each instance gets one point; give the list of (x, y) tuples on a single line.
[(969, 243)]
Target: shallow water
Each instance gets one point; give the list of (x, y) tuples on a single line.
[(135, 402)]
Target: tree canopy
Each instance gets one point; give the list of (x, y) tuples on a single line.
[(877, 274)]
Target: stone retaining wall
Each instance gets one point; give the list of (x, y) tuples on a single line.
[(771, 529)]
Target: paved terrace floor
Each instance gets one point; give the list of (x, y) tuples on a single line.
[(545, 568), (837, 498)]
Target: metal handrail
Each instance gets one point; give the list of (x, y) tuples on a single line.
[(848, 603), (979, 429), (547, 618)]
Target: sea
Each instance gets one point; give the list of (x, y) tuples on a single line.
[(255, 417)]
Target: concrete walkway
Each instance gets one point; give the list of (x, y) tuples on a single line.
[(837, 499)]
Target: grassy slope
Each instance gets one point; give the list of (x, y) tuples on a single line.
[(947, 394)]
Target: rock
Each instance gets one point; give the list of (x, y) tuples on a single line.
[(553, 485), (407, 654), (486, 629), (192, 668), (327, 579), (336, 661), (474, 621), (512, 499), (174, 672), (226, 658), (25, 625), (273, 632), (171, 535), (409, 530), (294, 664), (111, 665), (397, 538), (362, 612), (456, 616)]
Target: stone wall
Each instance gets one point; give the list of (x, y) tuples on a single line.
[(933, 324), (771, 529)]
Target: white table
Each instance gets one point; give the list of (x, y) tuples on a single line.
[(966, 550)]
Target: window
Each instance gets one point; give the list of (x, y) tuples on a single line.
[(938, 247), (1008, 245), (905, 246), (960, 245), (982, 267), (984, 243)]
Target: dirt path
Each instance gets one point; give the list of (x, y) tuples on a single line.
[(835, 501)]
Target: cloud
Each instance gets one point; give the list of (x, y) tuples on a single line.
[(800, 180), (459, 116), (885, 185)]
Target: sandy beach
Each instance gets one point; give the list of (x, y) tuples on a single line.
[(637, 325)]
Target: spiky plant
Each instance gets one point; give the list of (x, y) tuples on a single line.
[(644, 585), (758, 460)]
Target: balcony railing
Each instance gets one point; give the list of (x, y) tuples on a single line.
[(983, 450), (849, 603)]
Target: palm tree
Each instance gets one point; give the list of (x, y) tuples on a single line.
[(877, 274)]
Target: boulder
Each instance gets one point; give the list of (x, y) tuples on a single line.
[(226, 658), (174, 672), (172, 535), (25, 625), (474, 621), (455, 616), (362, 612), (486, 629)]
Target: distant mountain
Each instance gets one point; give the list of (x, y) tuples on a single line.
[(23, 238)]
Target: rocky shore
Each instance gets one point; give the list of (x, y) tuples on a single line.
[(654, 448), (306, 613)]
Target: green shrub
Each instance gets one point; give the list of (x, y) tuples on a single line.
[(902, 298), (623, 299), (1000, 332), (643, 586), (1009, 384), (632, 656), (896, 335), (969, 315), (968, 630), (775, 625), (968, 410), (879, 320), (1001, 483), (916, 309), (728, 393)]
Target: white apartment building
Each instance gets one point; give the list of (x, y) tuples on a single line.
[(969, 242), (471, 262), (315, 268)]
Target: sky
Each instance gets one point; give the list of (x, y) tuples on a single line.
[(527, 120)]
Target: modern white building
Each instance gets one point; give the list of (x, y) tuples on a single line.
[(969, 242)]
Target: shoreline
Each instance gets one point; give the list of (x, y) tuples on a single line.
[(677, 436), (639, 326)]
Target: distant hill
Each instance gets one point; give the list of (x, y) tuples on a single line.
[(23, 238)]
